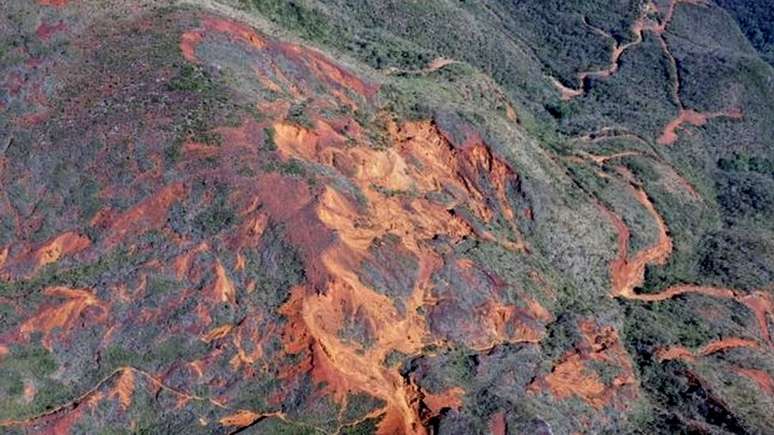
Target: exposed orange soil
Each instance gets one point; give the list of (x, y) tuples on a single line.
[(683, 353), (674, 353), (53, 2), (3, 256), (691, 117), (223, 288), (239, 419), (421, 161), (64, 244), (63, 315), (149, 214), (314, 60), (728, 343), (435, 65), (217, 333), (571, 376), (31, 259), (497, 424), (628, 272), (760, 377), (124, 389), (188, 42), (762, 305), (449, 399), (501, 323), (440, 166)]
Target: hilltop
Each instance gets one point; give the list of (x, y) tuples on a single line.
[(394, 217)]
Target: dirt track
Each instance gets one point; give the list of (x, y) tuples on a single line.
[(627, 271), (643, 23)]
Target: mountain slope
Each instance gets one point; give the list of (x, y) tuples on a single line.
[(392, 217)]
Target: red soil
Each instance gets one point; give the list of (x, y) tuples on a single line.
[(45, 30), (65, 244), (149, 214), (65, 315), (760, 377), (497, 424), (57, 3), (572, 376), (691, 117), (682, 353), (421, 160), (318, 64), (628, 272), (30, 259), (449, 399)]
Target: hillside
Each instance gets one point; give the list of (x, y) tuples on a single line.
[(392, 217)]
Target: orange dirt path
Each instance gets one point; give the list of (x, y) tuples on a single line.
[(691, 117), (685, 354), (640, 25), (57, 3), (760, 377), (643, 23), (627, 272), (435, 65)]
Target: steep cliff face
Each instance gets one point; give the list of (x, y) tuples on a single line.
[(318, 216)]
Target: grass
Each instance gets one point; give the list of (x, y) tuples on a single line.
[(30, 363)]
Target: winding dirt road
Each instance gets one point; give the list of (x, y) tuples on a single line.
[(627, 271), (644, 23)]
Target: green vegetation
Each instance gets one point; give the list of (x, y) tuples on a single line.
[(298, 115), (160, 285), (276, 266), (367, 427), (218, 216), (192, 78), (268, 139), (152, 356), (744, 162), (29, 364), (562, 335), (292, 167), (756, 19), (294, 15), (359, 405)]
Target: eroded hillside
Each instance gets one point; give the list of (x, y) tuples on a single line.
[(332, 217)]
